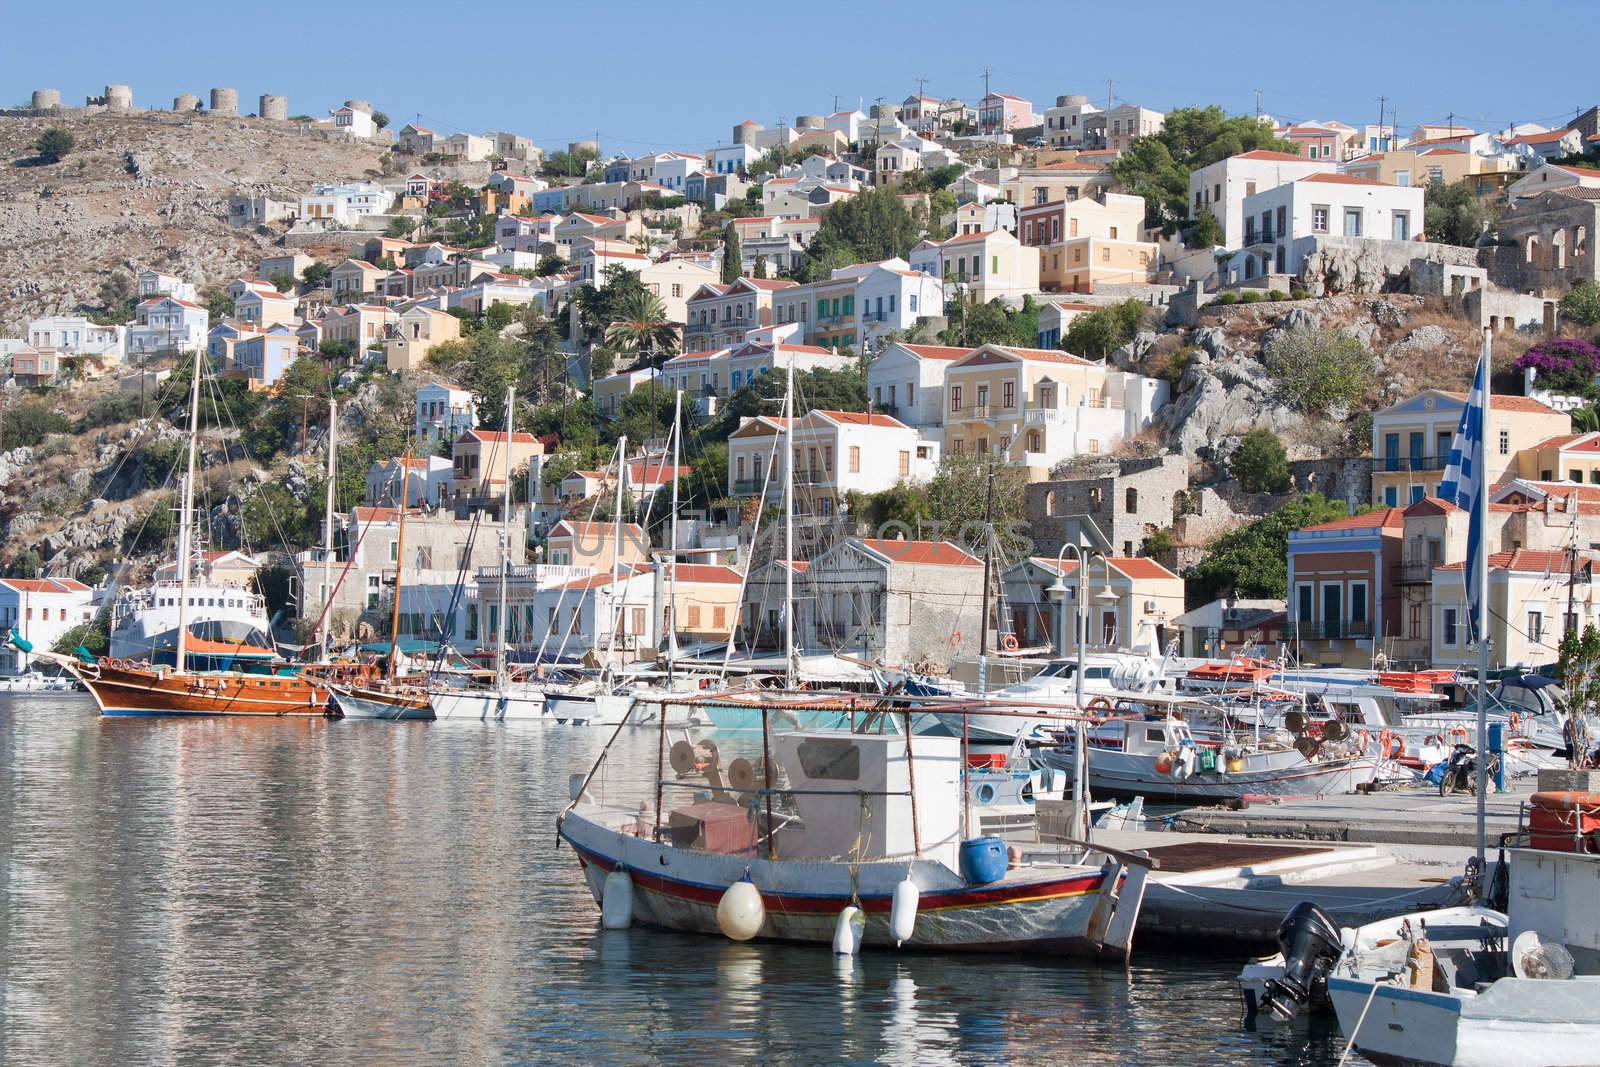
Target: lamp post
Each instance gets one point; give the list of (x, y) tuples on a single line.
[(1058, 591)]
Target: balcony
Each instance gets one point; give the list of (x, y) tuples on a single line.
[(983, 411), (1391, 464), (1332, 630), (813, 476), (874, 316), (747, 486), (1265, 237), (1412, 572)]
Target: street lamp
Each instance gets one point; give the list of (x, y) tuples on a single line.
[(1058, 592)]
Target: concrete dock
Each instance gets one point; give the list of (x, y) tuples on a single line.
[(1412, 816), (1211, 888)]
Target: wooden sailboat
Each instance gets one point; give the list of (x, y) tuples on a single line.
[(388, 699), (125, 687)]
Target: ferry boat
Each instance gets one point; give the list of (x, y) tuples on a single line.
[(228, 626)]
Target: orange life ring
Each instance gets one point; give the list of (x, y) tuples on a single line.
[(1009, 643), (1098, 704), (1399, 747), (1362, 737), (1516, 720), (955, 639)]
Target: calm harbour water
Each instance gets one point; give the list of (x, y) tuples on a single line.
[(364, 892)]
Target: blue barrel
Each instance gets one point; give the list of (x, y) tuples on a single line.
[(983, 860)]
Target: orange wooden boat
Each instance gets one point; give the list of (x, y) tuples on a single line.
[(122, 687)]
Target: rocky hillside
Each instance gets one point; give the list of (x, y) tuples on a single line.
[(146, 189)]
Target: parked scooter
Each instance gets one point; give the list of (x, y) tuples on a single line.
[(1461, 770)]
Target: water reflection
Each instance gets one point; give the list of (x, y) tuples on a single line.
[(207, 892)]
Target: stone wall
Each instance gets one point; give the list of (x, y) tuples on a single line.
[(1369, 264), (1058, 511)]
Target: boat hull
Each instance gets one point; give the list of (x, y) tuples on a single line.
[(1083, 911), (1289, 774), (591, 709), (121, 690), (375, 704), (467, 705), (1514, 1023)]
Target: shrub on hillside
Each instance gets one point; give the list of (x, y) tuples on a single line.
[(1260, 463), (1319, 370)]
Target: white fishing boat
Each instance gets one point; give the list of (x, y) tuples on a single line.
[(31, 682), (511, 702), (1468, 987), (866, 826), (1162, 759)]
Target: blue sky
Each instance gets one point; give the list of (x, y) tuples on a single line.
[(657, 76)]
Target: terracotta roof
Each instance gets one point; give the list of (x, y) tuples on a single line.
[(45, 585), (1560, 440), (935, 553), (1074, 166), (1509, 402), (800, 566), (580, 527), (1431, 505), (1525, 561), (935, 351), (364, 514), (495, 437), (1538, 138), (965, 238), (1281, 157), (1580, 192), (860, 418), (1137, 567), (1442, 152), (769, 284), (705, 573), (641, 471), (1045, 355), (1385, 518)]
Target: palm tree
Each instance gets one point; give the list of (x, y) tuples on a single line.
[(643, 329)]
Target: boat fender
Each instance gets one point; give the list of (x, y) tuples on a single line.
[(848, 930), (616, 900), (903, 911), (1164, 763), (1516, 721), (740, 912), (1183, 766)]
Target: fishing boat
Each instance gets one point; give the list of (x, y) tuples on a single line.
[(1163, 759), (811, 824), (1508, 983), (129, 687)]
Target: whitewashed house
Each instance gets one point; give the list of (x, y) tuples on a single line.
[(344, 203), (40, 610), (75, 335), (148, 283), (444, 412), (425, 485), (167, 324)]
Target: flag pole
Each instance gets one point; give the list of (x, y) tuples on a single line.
[(1480, 518)]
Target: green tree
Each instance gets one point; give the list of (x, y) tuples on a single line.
[(643, 332), (116, 296), (1206, 231), (872, 226), (316, 274), (400, 226), (759, 270), (1581, 305), (1453, 215), (54, 144), (1320, 370), (28, 423), (830, 390), (380, 119), (958, 494), (94, 636), (732, 255), (1260, 463), (26, 564), (1157, 167), (1096, 334), (283, 281), (550, 264), (1578, 667), (1252, 561)]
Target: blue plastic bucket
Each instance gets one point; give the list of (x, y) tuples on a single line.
[(983, 860)]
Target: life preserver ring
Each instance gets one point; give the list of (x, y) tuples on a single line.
[(1008, 643), (1459, 731), (955, 639), (1396, 747), (1433, 739), (1516, 721), (1362, 737), (1098, 704)]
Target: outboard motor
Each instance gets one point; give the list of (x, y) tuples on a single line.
[(1311, 945)]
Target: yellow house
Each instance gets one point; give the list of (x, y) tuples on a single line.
[(1411, 441), (576, 543), (415, 335), (1421, 167), (1067, 180), (1037, 407), (363, 325), (1572, 457), (1529, 595), (1089, 240), (478, 461)]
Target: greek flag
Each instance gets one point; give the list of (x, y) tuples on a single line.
[(1464, 485)]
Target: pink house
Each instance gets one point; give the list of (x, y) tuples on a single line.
[(1002, 112)]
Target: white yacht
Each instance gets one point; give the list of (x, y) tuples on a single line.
[(228, 626)]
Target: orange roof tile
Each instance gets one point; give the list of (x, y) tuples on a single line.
[(1383, 518), (1510, 402), (1342, 179), (934, 553), (1281, 157), (496, 437), (45, 585), (935, 351), (1526, 561)]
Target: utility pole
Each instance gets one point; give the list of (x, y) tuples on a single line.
[(835, 104), (985, 98), (922, 85), (1258, 105)]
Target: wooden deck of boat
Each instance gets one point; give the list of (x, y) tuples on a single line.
[(1188, 857)]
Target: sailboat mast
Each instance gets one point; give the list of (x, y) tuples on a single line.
[(672, 572), (505, 547), (399, 561), (326, 621), (616, 553), (788, 529), (185, 559)]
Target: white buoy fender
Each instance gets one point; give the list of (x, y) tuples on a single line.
[(848, 930), (740, 912), (616, 901), (903, 911)]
